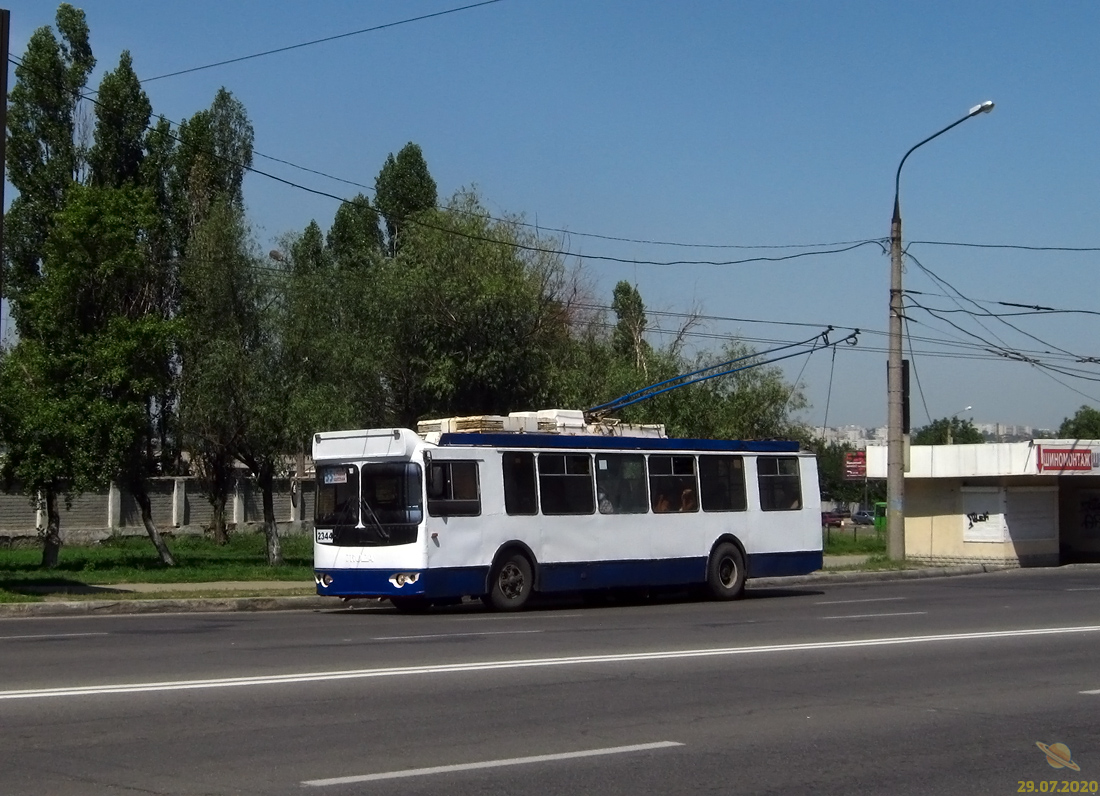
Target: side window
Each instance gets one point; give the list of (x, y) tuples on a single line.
[(519, 483), (722, 483), (780, 488), (621, 483), (672, 484), (565, 483), (453, 489)]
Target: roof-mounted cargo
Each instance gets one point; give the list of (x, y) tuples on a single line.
[(568, 422)]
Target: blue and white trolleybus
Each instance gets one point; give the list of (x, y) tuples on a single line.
[(502, 516)]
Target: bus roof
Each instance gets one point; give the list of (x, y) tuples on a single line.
[(614, 443)]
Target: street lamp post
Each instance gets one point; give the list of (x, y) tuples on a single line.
[(895, 452), (951, 421)]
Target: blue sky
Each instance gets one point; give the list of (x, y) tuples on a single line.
[(722, 123)]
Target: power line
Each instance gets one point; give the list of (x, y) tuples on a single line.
[(1018, 246), (319, 41), (565, 253), (975, 316)]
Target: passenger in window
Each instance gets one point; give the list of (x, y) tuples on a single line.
[(687, 500), (605, 503), (662, 505)]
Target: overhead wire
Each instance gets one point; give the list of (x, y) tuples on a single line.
[(319, 41), (419, 220), (951, 287)]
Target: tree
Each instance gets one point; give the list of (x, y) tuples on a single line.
[(467, 324), (403, 188), (44, 160), (213, 154), (628, 339), (43, 157), (831, 462), (111, 337), (38, 420), (948, 430), (122, 118), (219, 332), (1085, 424), (355, 240)]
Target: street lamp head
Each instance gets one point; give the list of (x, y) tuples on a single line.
[(985, 107)]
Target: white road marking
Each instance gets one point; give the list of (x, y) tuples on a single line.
[(512, 761), (1097, 691), (1086, 588), (524, 615), (868, 600), (529, 663), (871, 616), (456, 635), (50, 635)]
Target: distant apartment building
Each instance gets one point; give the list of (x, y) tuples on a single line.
[(860, 437)]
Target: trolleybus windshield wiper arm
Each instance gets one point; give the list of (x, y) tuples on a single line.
[(364, 503)]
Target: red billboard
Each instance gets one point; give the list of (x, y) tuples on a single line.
[(855, 465), (1074, 459)]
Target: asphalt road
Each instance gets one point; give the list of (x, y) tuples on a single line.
[(908, 687)]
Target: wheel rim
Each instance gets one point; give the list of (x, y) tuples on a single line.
[(511, 581), (727, 572)]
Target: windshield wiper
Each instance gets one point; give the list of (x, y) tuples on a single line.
[(374, 518)]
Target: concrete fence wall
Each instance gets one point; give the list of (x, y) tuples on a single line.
[(178, 507)]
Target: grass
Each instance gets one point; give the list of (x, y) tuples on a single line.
[(133, 560), (844, 542)]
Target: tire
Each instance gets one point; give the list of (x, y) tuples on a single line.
[(726, 573), (411, 605), (511, 583)]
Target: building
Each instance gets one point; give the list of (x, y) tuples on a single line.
[(1034, 503)]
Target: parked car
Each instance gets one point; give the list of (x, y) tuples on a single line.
[(864, 518)]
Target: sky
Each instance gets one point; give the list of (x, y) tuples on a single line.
[(726, 128)]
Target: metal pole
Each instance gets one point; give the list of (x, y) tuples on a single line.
[(895, 445), (5, 32)]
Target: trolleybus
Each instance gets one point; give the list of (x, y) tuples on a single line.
[(501, 516)]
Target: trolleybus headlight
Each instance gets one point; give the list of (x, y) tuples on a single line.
[(401, 578)]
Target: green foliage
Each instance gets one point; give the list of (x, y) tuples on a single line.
[(219, 332), (403, 188), (44, 158), (1085, 424), (854, 540), (948, 430), (96, 308), (467, 323), (355, 239), (210, 161), (628, 340), (122, 116), (831, 457)]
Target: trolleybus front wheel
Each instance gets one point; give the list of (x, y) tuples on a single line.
[(511, 583), (726, 573)]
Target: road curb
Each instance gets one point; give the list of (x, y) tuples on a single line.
[(315, 603), (863, 576), (175, 606)]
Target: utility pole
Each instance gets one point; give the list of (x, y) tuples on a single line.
[(895, 451), (5, 32)]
